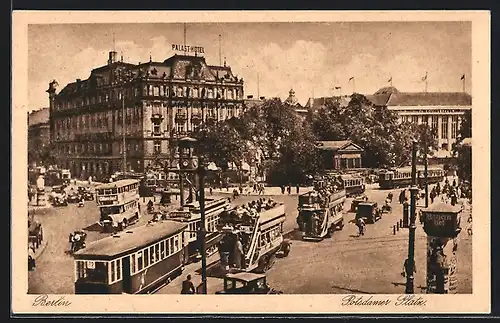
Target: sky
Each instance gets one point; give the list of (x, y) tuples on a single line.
[(272, 58)]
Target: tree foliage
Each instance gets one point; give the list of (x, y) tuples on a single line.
[(273, 131), (386, 141)]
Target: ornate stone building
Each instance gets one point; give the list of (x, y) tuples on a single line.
[(149, 106), (38, 134)]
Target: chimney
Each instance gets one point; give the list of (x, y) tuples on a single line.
[(112, 57), (249, 96)]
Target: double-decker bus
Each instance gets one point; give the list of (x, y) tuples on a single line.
[(260, 231), (118, 203), (190, 214), (138, 260), (321, 214), (393, 178)]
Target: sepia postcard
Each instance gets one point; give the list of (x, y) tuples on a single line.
[(260, 161)]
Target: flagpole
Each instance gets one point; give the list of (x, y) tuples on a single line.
[(426, 82), (463, 83)]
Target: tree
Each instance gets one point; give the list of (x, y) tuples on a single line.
[(327, 122), (221, 143)]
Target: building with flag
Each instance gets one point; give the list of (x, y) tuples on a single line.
[(442, 111), (148, 106)]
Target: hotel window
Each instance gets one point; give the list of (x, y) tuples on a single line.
[(150, 90), (179, 127), (195, 93), (156, 129), (179, 92), (414, 119), (210, 93), (156, 91), (404, 119), (162, 90), (157, 146), (166, 90), (454, 127), (230, 94), (230, 112)]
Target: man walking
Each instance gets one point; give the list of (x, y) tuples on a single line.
[(188, 286)]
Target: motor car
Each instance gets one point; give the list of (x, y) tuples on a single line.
[(369, 211), (246, 283), (74, 197), (60, 201), (86, 193)]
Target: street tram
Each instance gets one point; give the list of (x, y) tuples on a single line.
[(353, 184), (135, 261), (259, 228), (320, 211), (399, 177), (118, 203), (190, 214)]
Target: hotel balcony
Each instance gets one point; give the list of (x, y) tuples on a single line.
[(196, 117), (180, 117)]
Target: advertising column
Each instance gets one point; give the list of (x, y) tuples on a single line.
[(442, 225)]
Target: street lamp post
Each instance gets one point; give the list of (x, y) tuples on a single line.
[(412, 227), (190, 164), (202, 233)]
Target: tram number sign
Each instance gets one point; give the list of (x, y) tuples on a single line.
[(90, 264)]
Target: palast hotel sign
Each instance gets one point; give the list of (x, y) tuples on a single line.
[(188, 49)]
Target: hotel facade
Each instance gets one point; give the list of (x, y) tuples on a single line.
[(148, 106)]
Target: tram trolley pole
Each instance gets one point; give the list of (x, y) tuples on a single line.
[(412, 227)]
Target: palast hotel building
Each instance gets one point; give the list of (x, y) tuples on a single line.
[(162, 101), (442, 111)]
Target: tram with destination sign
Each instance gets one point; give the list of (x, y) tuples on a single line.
[(401, 177), (191, 216), (135, 261), (118, 203)]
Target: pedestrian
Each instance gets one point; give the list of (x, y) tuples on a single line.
[(289, 189), (454, 183), (211, 190), (188, 286), (297, 188), (402, 197), (469, 225), (407, 269), (433, 195), (282, 189)]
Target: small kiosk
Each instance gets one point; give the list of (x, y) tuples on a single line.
[(442, 226)]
